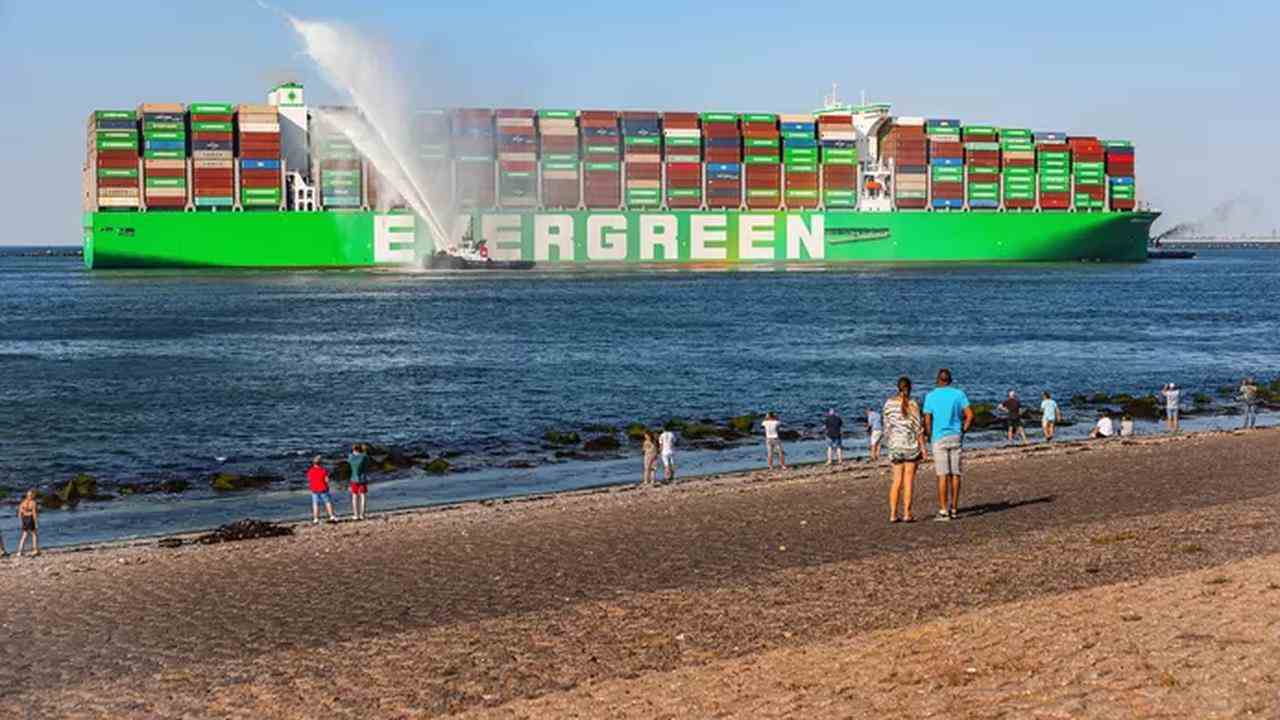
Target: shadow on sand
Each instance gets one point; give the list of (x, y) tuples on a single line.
[(1003, 505)]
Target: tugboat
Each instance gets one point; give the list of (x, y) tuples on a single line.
[(470, 254)]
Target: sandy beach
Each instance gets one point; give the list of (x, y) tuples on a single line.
[(1136, 578)]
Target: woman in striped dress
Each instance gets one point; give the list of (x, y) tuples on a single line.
[(904, 440)]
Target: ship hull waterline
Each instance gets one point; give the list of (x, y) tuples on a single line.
[(271, 239)]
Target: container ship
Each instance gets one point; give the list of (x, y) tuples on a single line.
[(208, 184)]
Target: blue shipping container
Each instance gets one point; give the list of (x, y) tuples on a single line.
[(948, 203), (260, 164), (163, 145), (1121, 181), (839, 143), (801, 143), (986, 204), (942, 122), (799, 127), (946, 162)]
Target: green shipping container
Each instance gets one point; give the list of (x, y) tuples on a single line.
[(761, 159), (802, 194), (684, 192), (118, 172), (166, 182), (555, 166), (683, 142), (210, 126), (558, 114), (211, 108), (799, 168), (760, 142), (763, 192), (117, 145), (760, 117), (603, 166), (164, 154), (647, 140), (115, 115), (164, 135), (720, 117), (797, 135)]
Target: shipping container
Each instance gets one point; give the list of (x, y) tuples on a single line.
[(602, 158), (560, 163), (473, 140), (213, 152)]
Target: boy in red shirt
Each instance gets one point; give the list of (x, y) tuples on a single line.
[(318, 482)]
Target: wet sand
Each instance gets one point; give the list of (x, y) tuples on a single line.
[(1136, 578)]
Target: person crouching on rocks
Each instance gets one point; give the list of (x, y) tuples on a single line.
[(28, 514), (318, 482), (359, 485)]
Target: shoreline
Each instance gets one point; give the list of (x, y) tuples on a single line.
[(853, 469), (586, 604)]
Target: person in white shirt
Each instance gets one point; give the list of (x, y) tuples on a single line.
[(667, 443), (875, 429), (1126, 426), (1104, 427), (772, 441), (1172, 400)]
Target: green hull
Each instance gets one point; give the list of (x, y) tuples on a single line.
[(361, 239)]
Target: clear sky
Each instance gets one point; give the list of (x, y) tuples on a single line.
[(1193, 87)]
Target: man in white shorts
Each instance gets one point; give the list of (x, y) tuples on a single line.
[(667, 442), (772, 441)]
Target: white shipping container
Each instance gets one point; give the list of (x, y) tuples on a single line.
[(521, 157), (559, 175), (682, 133), (257, 110), (104, 201), (213, 164), (515, 122), (909, 121), (213, 155), (795, 118), (129, 192), (166, 192), (643, 184)]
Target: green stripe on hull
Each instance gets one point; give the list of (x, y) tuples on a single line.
[(228, 239), (830, 236), (358, 239)]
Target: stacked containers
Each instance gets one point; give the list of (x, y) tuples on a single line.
[(982, 165), (682, 154), (800, 160), (431, 133), (164, 155), (839, 158), (602, 170), (904, 144), (762, 155), (1120, 175), (1018, 151), (212, 155), (1053, 165), (517, 158), (1088, 169), (113, 160), (261, 183), (946, 160), (472, 138), (341, 179), (561, 173), (642, 146), (722, 148)]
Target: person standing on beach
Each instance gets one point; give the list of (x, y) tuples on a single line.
[(875, 431), (1013, 407), (1049, 416), (773, 441), (28, 516), (667, 444), (1172, 404), (833, 425), (318, 482), (1249, 402), (358, 458), (947, 418), (650, 456), (904, 437)]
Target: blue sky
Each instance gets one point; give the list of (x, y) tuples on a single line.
[(1193, 87)]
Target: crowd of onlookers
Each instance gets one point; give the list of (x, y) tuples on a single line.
[(907, 431)]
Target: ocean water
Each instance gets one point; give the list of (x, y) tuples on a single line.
[(133, 375)]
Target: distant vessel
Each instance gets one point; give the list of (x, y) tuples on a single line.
[(218, 185)]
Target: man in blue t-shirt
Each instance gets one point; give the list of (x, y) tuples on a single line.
[(947, 418)]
